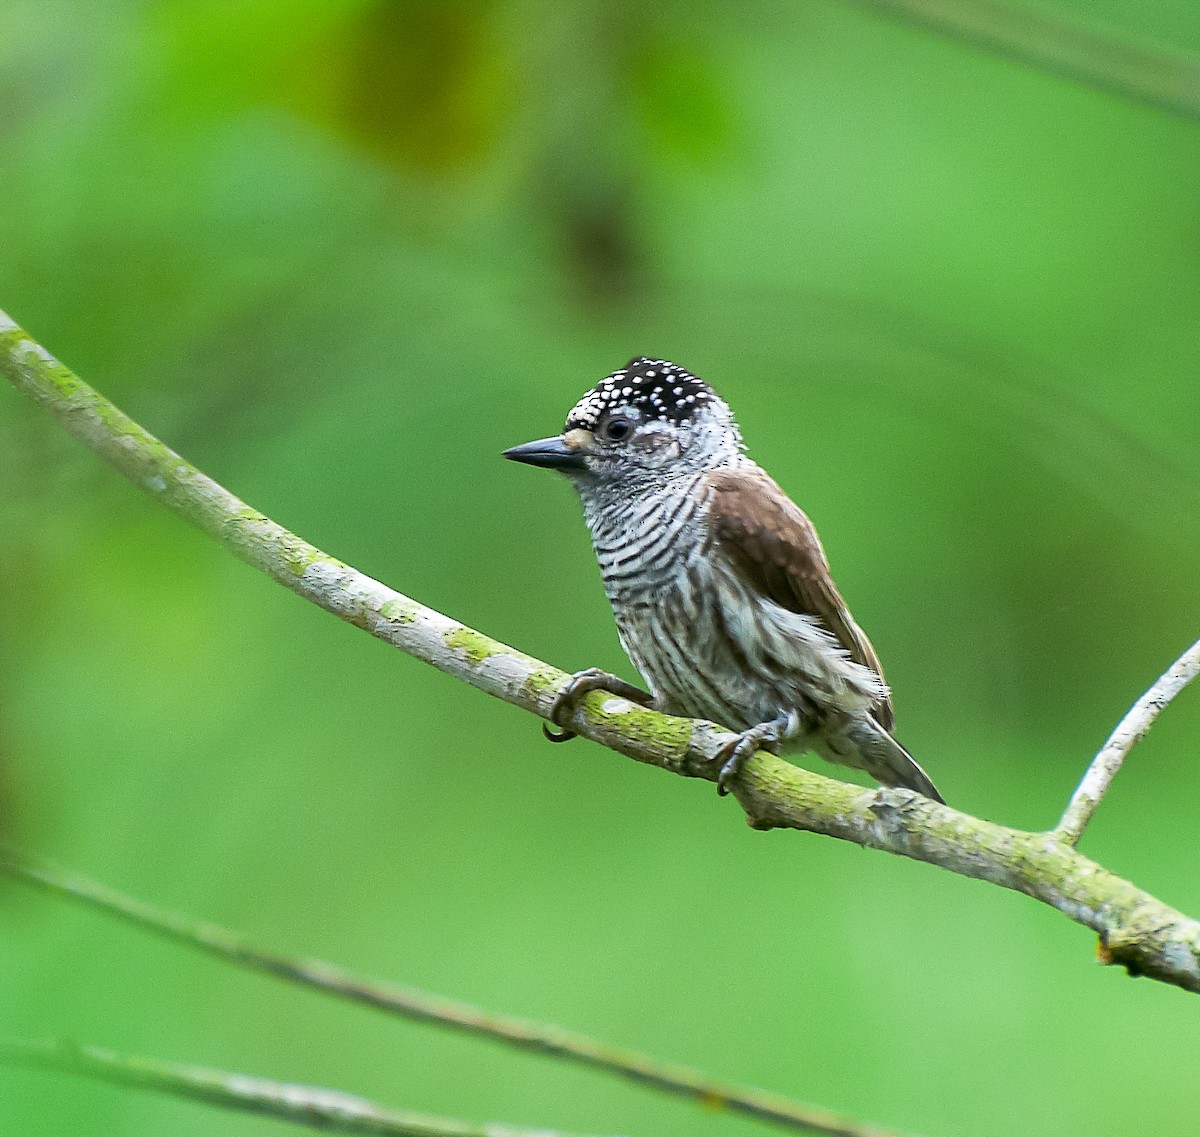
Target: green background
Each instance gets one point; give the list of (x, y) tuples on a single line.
[(341, 254)]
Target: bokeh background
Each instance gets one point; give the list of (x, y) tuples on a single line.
[(340, 254)]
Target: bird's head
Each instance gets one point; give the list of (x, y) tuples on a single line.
[(646, 423)]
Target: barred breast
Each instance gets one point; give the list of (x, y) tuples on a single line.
[(706, 647)]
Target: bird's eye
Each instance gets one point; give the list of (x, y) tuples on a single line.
[(617, 429)]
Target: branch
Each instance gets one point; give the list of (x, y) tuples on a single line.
[(1137, 930), (1130, 731), (328, 1110), (551, 1041), (1160, 77)]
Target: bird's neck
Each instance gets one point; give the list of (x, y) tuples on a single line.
[(643, 538)]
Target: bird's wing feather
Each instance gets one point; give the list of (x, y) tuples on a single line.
[(774, 547)]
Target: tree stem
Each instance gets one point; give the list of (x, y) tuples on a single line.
[(1137, 930), (1130, 731), (1160, 77), (551, 1041), (328, 1110)]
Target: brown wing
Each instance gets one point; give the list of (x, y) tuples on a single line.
[(775, 548)]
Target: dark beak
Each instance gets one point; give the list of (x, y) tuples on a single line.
[(552, 453)]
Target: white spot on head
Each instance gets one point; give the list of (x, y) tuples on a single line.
[(676, 397)]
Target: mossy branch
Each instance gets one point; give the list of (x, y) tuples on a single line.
[(1136, 929), (328, 1110), (1164, 78)]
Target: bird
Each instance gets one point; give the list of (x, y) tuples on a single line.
[(719, 585)]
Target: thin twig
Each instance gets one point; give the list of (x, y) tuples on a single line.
[(1140, 932), (1165, 78), (543, 1039), (1130, 731), (327, 1110)]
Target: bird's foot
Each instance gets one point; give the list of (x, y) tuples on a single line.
[(765, 736), (591, 679)]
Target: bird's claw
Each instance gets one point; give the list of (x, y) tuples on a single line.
[(765, 736), (582, 682), (731, 758)]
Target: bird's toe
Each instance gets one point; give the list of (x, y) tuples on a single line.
[(580, 684), (765, 736), (733, 756)]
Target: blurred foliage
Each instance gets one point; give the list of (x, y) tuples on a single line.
[(341, 255)]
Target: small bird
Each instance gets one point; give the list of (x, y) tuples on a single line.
[(721, 591)]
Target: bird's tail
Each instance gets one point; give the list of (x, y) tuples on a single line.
[(867, 746)]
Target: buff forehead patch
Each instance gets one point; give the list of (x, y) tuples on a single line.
[(657, 388)]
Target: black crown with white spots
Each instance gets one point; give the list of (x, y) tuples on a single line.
[(657, 388)]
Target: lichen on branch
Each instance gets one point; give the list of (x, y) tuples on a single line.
[(1136, 929)]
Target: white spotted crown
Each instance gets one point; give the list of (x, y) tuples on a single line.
[(657, 388)]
